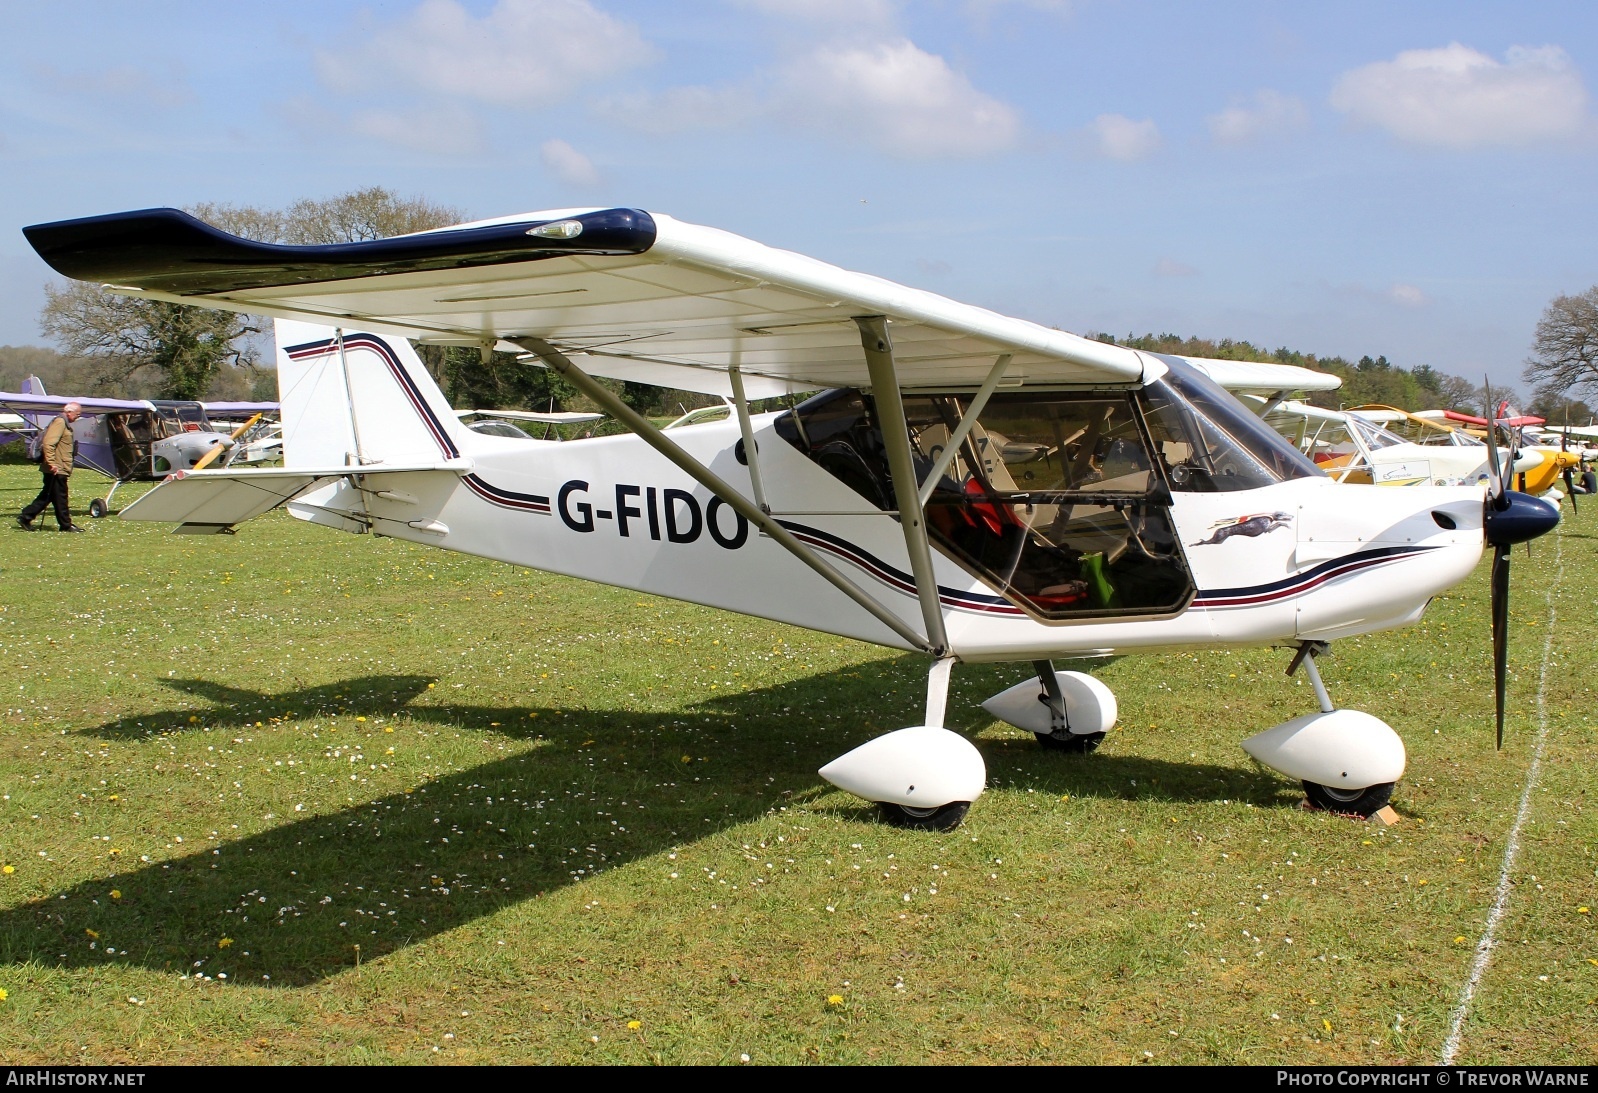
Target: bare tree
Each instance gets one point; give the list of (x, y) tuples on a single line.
[(354, 217), (1566, 349), (372, 213), (123, 335), (191, 349)]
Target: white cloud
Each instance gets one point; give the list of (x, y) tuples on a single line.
[(1455, 97), (568, 164), (1261, 116), (682, 108), (899, 96), (446, 131), (1170, 267), (1118, 137), (1407, 296), (525, 53)]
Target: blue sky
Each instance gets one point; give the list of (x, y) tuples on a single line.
[(1415, 180)]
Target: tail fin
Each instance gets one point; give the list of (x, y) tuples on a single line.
[(358, 398)]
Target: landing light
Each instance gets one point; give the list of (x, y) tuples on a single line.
[(558, 229)]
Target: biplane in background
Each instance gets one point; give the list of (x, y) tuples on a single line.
[(133, 440), (968, 486)]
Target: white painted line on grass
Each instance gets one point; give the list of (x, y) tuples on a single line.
[(1489, 937)]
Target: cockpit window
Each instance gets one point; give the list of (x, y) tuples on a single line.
[(1051, 499), (1374, 435), (1210, 443), (183, 417)]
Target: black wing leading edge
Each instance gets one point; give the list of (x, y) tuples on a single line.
[(166, 250)]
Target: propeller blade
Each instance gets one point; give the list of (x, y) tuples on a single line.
[(1500, 605), (1570, 488), (1496, 491)]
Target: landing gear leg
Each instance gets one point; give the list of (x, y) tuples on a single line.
[(101, 506), (924, 777), (1347, 760), (1060, 737)]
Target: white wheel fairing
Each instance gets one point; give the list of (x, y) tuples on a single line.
[(1089, 705), (919, 767), (1344, 749)]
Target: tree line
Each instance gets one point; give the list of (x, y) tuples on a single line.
[(1568, 334)]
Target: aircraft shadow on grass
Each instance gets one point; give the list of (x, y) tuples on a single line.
[(603, 788)]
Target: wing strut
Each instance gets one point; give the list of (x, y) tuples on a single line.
[(663, 444), (741, 405), (896, 439), (951, 447)]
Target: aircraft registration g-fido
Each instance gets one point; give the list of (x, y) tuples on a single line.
[(970, 486)]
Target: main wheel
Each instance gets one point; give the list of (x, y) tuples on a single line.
[(97, 508), (942, 818), (1073, 744), (1353, 802)]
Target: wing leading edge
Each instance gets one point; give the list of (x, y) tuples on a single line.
[(627, 294), (643, 304)]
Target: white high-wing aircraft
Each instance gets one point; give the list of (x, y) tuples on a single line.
[(969, 486)]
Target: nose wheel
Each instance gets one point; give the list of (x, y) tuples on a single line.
[(1348, 761), (1353, 802)]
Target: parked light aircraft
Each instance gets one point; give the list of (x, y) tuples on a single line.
[(1550, 462), (1356, 446), (974, 487), (131, 440)]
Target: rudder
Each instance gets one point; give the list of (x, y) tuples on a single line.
[(358, 398)]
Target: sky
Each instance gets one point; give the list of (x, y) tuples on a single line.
[(1411, 180)]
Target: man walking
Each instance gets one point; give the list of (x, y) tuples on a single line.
[(56, 465)]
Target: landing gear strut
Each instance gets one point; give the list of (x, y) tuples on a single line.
[(1347, 760), (924, 777), (1066, 711), (1060, 737)]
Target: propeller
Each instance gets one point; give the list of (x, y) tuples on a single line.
[(1508, 518)]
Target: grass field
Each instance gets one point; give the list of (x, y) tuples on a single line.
[(299, 797)]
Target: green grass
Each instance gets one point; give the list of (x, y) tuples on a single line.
[(417, 807)]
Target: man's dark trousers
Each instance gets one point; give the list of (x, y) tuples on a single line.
[(54, 493)]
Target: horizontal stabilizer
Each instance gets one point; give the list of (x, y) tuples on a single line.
[(209, 502)]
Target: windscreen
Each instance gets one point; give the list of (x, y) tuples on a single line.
[(1210, 442)]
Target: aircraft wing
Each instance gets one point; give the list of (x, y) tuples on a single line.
[(627, 294), (207, 502), (223, 409), (543, 417), (18, 403), (1292, 412), (1263, 377)]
